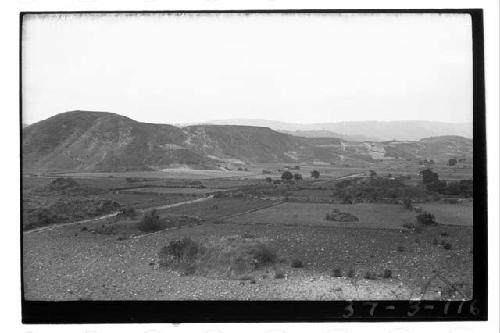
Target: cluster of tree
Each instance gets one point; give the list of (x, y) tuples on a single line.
[(350, 191), (287, 175), (463, 188), (432, 183)]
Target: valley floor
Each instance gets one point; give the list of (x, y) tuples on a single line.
[(70, 264)]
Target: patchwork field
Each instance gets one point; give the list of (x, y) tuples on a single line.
[(370, 215), (222, 235)]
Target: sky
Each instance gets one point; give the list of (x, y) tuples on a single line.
[(297, 68)]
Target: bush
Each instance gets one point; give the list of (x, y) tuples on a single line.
[(296, 263), (129, 212), (180, 250), (297, 176), (370, 276), (400, 248), (262, 255), (287, 175), (426, 218), (315, 174), (446, 245), (279, 275), (337, 272), (150, 222), (407, 204), (387, 273), (351, 273), (338, 216)]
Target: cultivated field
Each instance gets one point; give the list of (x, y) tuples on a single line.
[(201, 234)]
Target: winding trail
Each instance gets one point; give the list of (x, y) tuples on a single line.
[(103, 217)]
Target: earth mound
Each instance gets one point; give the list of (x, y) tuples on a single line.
[(338, 216)]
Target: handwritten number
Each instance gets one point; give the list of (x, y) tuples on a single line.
[(350, 310), (446, 306), (473, 309), (459, 311), (372, 308), (415, 307)]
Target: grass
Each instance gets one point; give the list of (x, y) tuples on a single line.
[(215, 208), (233, 257), (452, 214), (292, 213)]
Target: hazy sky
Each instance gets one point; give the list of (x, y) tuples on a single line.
[(296, 68)]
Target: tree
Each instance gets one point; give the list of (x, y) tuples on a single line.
[(287, 175), (297, 176), (315, 174), (429, 177)]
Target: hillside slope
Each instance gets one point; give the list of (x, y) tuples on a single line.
[(98, 141), (362, 130)]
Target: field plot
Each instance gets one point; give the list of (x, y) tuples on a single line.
[(312, 214), (217, 207), (182, 173), (169, 190), (453, 214)]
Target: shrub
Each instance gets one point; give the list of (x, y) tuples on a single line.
[(279, 275), (296, 263), (444, 234), (426, 218), (287, 175), (150, 222), (446, 245), (337, 272), (297, 176), (262, 254), (128, 212), (387, 273), (400, 248), (370, 276), (351, 273), (180, 250), (269, 179), (338, 216), (315, 174), (407, 204)]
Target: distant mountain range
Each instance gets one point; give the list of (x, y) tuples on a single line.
[(101, 141), (362, 130)]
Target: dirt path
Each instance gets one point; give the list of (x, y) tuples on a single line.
[(103, 217)]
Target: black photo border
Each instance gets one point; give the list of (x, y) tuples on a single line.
[(45, 312)]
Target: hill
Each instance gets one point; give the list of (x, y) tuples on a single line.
[(100, 141), (410, 130)]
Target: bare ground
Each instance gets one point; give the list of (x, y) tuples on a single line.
[(70, 264)]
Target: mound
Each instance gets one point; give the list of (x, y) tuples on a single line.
[(338, 216)]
